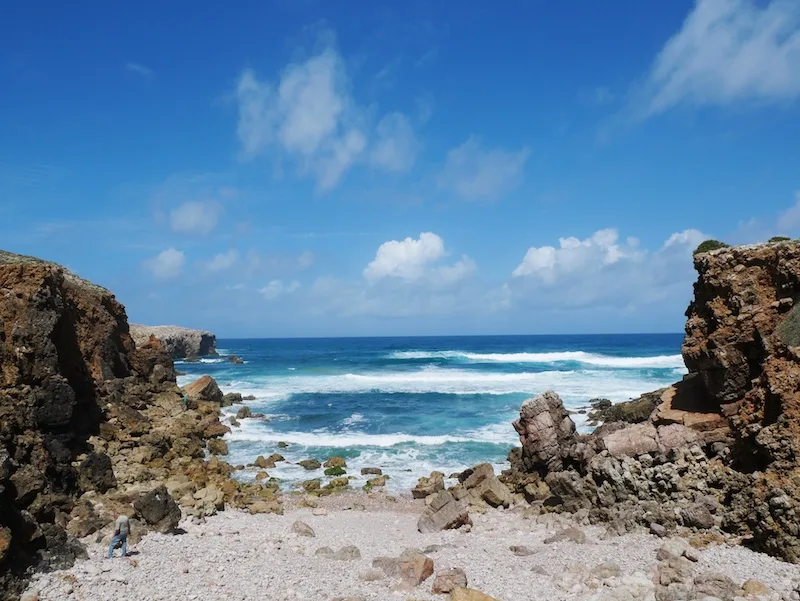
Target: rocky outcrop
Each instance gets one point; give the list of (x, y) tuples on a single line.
[(89, 422), (718, 449), (177, 341)]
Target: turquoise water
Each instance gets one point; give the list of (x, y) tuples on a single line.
[(412, 405)]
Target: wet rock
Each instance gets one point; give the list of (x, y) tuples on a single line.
[(232, 398), (217, 446), (336, 462), (310, 464), (371, 471), (244, 413), (204, 389)]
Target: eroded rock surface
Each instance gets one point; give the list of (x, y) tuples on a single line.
[(177, 341)]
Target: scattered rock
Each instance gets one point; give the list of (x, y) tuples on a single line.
[(335, 471), (445, 513), (217, 446), (371, 576), (697, 515), (605, 571), (446, 581), (755, 588), (302, 529), (244, 413), (349, 553), (325, 552), (204, 389), (658, 530), (95, 473), (371, 471), (232, 398), (236, 360), (576, 535), (468, 594), (282, 444), (428, 486), (336, 462), (310, 464), (264, 463), (521, 550)]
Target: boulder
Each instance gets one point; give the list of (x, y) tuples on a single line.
[(371, 471), (493, 492), (235, 359), (204, 389), (444, 513), (447, 580), (310, 464), (232, 398), (244, 413), (576, 535), (336, 462), (265, 507), (428, 486), (95, 473), (415, 568), (544, 428), (217, 446), (158, 509), (264, 463)]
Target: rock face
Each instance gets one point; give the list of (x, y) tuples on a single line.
[(87, 420), (720, 448), (158, 509), (177, 341)]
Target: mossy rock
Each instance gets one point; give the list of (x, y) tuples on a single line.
[(709, 245), (335, 471), (312, 485), (337, 483), (336, 462)]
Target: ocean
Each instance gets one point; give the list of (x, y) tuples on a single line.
[(413, 405)]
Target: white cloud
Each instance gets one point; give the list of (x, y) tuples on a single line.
[(277, 288), (139, 69), (789, 220), (195, 217), (475, 173), (223, 261), (728, 51), (396, 146), (405, 259), (167, 265), (310, 116), (602, 270)]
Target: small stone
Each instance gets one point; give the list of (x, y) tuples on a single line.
[(324, 552), (371, 576), (539, 570), (302, 529), (283, 445), (576, 535), (755, 588), (310, 464), (468, 594), (319, 511), (521, 550), (371, 471), (672, 549), (606, 570), (658, 530), (349, 553)]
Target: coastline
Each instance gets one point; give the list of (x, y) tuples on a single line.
[(235, 555)]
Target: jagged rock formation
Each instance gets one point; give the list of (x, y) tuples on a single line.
[(89, 423), (720, 449), (179, 342)]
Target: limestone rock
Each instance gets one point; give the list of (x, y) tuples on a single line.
[(371, 471), (336, 462), (445, 513), (204, 389), (232, 398), (348, 553), (428, 486), (217, 446), (447, 580), (177, 341), (576, 535), (544, 427), (302, 529), (468, 594)]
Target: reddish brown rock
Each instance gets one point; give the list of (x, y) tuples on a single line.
[(204, 389)]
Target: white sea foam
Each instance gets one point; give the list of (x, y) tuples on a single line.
[(660, 361), (354, 419), (572, 385)]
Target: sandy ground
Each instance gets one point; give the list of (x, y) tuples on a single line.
[(238, 556)]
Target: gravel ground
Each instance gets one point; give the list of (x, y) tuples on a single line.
[(239, 556)]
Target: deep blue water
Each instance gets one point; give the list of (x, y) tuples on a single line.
[(420, 404)]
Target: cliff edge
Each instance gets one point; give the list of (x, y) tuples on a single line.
[(719, 452), (179, 342)]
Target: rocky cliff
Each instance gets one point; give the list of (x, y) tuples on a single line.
[(720, 449), (91, 424), (178, 342)]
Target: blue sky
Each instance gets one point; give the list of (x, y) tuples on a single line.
[(301, 168)]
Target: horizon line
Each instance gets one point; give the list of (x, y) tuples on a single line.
[(376, 337)]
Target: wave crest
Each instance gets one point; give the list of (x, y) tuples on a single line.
[(660, 361)]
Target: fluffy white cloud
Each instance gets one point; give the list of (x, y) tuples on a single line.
[(574, 255), (223, 261), (727, 51), (405, 259), (789, 220), (476, 173), (167, 265), (310, 116), (396, 146), (602, 270), (277, 288), (195, 217)]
